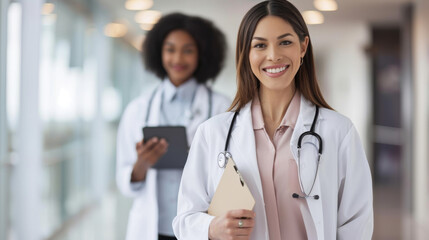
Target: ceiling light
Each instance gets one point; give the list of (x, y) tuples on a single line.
[(148, 17), (146, 26), (138, 4), (115, 30), (326, 5), (313, 17), (48, 8)]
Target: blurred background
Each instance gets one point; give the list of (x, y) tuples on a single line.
[(68, 68)]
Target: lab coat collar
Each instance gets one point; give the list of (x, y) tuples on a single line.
[(184, 92), (305, 117), (306, 113), (201, 99)]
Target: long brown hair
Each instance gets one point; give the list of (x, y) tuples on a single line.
[(247, 83)]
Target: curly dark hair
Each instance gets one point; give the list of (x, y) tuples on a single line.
[(210, 41)]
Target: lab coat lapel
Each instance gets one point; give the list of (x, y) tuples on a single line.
[(200, 106), (154, 113), (308, 167), (309, 144), (243, 149), (199, 111)]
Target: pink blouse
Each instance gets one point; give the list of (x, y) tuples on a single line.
[(279, 173)]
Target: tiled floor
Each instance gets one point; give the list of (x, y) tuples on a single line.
[(387, 213), (108, 220), (391, 221)]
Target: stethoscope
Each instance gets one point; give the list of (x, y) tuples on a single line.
[(225, 155), (189, 114)]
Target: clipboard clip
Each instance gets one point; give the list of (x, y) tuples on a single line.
[(239, 175)]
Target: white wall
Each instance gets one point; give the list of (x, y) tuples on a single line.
[(344, 71), (420, 40)]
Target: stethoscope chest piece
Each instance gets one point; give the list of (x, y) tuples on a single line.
[(222, 159)]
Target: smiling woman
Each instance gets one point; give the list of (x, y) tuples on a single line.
[(303, 162)]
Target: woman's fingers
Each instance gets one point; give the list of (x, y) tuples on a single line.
[(142, 147), (235, 224), (240, 213), (157, 150), (147, 146), (237, 232), (242, 232), (154, 151), (242, 223)]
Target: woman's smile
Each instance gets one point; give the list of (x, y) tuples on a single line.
[(276, 70), (179, 67)]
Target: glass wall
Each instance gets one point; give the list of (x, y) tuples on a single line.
[(67, 97), (4, 171), (10, 107), (74, 102), (81, 99)]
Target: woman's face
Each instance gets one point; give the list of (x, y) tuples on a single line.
[(179, 56), (275, 53)]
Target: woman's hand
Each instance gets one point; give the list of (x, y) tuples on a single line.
[(235, 224), (147, 155)]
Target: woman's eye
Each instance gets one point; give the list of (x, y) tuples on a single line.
[(259, 45), (170, 50), (188, 51), (286, 42)]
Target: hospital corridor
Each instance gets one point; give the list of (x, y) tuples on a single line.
[(70, 68)]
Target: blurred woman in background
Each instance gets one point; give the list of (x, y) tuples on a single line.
[(185, 52)]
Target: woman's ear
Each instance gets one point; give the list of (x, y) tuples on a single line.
[(304, 45)]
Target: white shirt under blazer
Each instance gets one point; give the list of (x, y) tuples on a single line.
[(143, 218), (345, 207)]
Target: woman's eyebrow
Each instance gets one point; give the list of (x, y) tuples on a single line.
[(186, 45), (279, 37), (284, 35)]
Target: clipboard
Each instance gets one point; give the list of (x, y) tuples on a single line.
[(231, 193), (177, 153)]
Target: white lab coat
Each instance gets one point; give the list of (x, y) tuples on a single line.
[(344, 210), (143, 218)]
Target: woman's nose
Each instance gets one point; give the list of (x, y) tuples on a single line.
[(177, 56), (273, 54)]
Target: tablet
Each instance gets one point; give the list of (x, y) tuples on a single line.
[(177, 153)]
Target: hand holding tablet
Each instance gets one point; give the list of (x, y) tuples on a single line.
[(177, 153)]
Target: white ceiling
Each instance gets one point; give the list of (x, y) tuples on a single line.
[(227, 14), (368, 10)]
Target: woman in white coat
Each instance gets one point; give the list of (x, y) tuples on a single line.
[(185, 52), (303, 162)]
